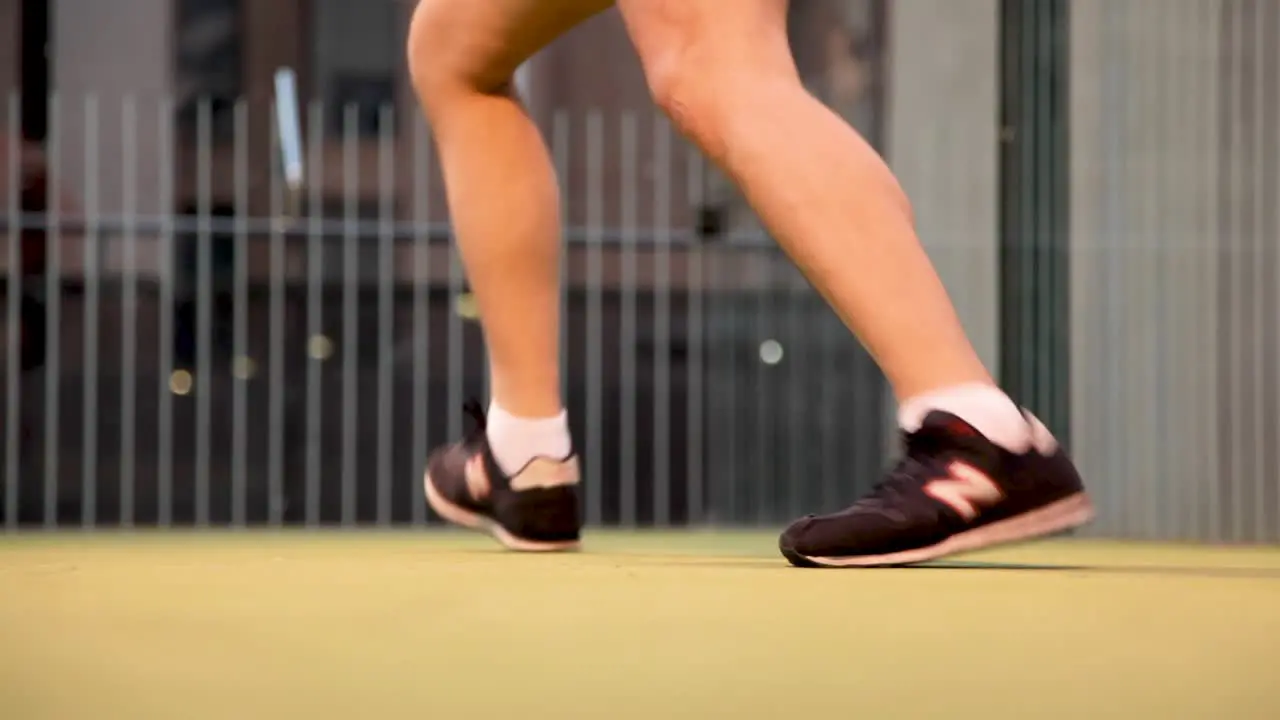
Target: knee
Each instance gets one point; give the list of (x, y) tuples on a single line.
[(431, 54), (708, 93), (695, 98), (441, 66), (425, 47)]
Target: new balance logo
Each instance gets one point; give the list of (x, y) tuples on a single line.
[(476, 477), (967, 491)]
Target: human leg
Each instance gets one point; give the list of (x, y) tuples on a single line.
[(729, 82), (514, 478)]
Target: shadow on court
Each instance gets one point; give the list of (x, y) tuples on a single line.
[(1173, 571)]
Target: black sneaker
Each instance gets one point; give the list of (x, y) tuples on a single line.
[(535, 510), (952, 492)]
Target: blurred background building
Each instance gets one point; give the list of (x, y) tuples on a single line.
[(1097, 181)]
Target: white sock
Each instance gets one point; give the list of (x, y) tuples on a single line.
[(986, 408), (515, 441)]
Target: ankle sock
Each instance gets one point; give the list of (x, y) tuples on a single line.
[(985, 407), (515, 441)]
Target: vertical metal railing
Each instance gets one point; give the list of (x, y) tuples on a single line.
[(319, 347), (695, 426), (627, 451), (285, 191), (421, 324), (350, 288), (203, 340), (92, 305), (53, 298), (13, 320), (129, 277), (386, 312), (594, 319), (660, 470), (168, 380), (241, 364)]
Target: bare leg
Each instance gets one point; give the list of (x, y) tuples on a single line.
[(517, 478), (977, 471), (503, 196), (729, 81)]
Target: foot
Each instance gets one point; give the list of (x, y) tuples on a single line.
[(954, 491), (535, 510)]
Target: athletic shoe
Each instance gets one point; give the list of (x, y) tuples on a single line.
[(534, 510), (953, 491)]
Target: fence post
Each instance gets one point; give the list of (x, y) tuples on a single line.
[(1034, 320)]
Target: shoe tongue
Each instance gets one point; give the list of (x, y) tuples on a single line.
[(953, 425)]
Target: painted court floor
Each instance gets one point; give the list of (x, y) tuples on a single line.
[(695, 625)]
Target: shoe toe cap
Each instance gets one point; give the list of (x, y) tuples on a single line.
[(851, 533), (797, 536)]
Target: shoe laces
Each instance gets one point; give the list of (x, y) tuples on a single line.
[(921, 462)]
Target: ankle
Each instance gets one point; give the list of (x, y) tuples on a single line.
[(984, 406), (515, 441), (532, 392)]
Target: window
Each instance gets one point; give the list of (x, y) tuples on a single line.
[(209, 65), (357, 51)]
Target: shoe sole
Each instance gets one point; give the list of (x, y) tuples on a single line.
[(1070, 512), (465, 518)]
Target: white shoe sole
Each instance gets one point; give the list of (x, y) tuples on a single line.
[(1070, 512), (465, 518)]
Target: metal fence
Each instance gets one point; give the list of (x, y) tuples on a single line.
[(221, 368), (243, 359)]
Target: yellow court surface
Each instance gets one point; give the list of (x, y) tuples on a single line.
[(437, 625)]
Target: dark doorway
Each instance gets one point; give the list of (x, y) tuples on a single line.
[(37, 42)]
